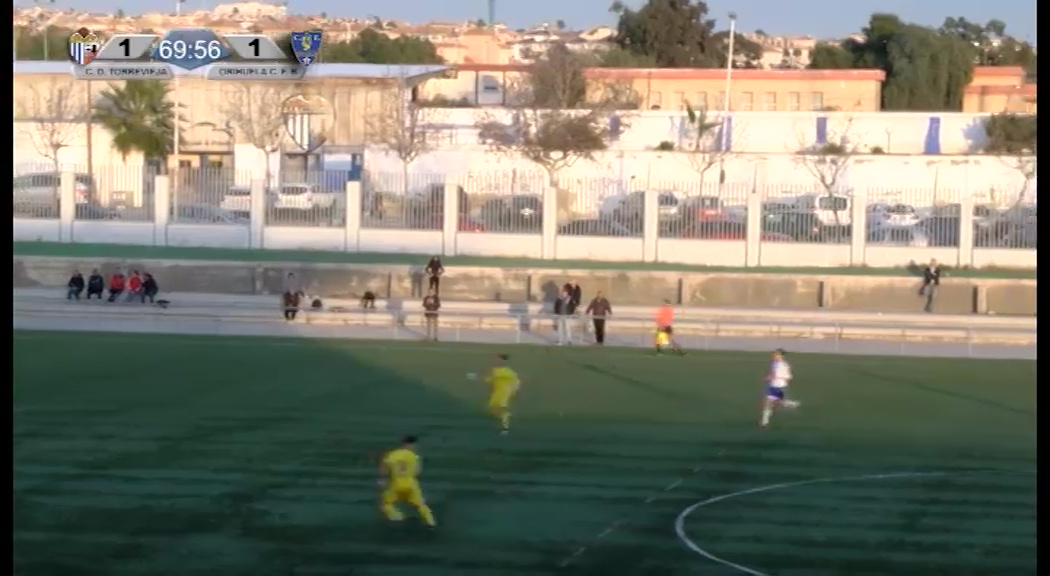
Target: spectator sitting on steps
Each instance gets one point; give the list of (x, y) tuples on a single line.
[(134, 287), (96, 285), (75, 285), (368, 301), (117, 283), (149, 288)]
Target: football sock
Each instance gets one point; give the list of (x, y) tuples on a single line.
[(767, 413), (504, 421), (427, 515), (392, 513)]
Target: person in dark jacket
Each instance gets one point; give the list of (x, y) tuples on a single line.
[(599, 309), (368, 301), (96, 285), (564, 308), (75, 285), (291, 296), (931, 281), (149, 288), (431, 306), (576, 292), (434, 270)]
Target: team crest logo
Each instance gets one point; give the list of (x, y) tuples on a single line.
[(308, 120), (84, 46), (305, 46)]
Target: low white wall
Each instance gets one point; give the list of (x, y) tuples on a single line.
[(548, 244), (759, 132)]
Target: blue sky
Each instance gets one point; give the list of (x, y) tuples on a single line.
[(822, 18)]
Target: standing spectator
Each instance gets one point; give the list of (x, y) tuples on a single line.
[(576, 292), (149, 288), (117, 281), (96, 284), (290, 296), (134, 286), (931, 281), (665, 330), (75, 285), (434, 270), (563, 311), (600, 310), (431, 306)]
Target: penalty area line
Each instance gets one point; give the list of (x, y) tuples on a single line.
[(679, 523), (625, 519)]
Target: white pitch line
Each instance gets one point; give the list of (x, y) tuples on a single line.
[(622, 520), (679, 523)]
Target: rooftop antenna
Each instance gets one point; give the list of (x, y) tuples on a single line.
[(492, 13)]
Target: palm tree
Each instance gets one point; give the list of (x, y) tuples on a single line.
[(141, 118)]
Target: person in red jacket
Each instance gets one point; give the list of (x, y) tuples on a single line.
[(134, 286), (117, 282)]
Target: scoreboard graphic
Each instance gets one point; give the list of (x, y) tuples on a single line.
[(233, 57), (84, 45)]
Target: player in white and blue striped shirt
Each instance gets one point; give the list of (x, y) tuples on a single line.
[(777, 381)]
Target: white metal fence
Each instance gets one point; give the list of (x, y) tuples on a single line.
[(525, 203)]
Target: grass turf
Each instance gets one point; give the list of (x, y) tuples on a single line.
[(126, 251), (177, 455)]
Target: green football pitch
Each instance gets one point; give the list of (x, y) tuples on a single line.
[(177, 455)]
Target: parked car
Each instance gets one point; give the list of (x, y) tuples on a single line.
[(205, 214), (594, 227), (892, 215), (237, 199), (701, 208), (518, 213), (728, 230), (905, 236), (632, 207), (803, 226), (830, 209), (46, 188), (306, 197)]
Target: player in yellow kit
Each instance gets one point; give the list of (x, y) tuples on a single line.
[(504, 383), (399, 476)]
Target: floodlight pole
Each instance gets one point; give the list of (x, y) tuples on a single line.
[(726, 104)]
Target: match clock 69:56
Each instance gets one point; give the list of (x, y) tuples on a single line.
[(190, 49)]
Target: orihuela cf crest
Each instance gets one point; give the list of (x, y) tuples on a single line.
[(305, 46), (84, 46), (308, 119)]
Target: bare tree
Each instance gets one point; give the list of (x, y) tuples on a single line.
[(402, 127), (828, 162), (255, 111), (57, 112), (703, 149), (1025, 166), (558, 118)]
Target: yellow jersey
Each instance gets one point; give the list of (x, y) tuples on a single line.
[(402, 465), (503, 380)]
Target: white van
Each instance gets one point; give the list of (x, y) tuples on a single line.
[(830, 209)]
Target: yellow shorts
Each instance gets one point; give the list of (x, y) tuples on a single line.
[(499, 402), (403, 491), (662, 339)]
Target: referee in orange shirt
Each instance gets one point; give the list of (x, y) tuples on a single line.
[(664, 330)]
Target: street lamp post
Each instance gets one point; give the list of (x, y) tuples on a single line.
[(726, 104), (175, 93), (47, 30)]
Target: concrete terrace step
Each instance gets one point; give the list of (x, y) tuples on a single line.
[(254, 309), (231, 302)]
